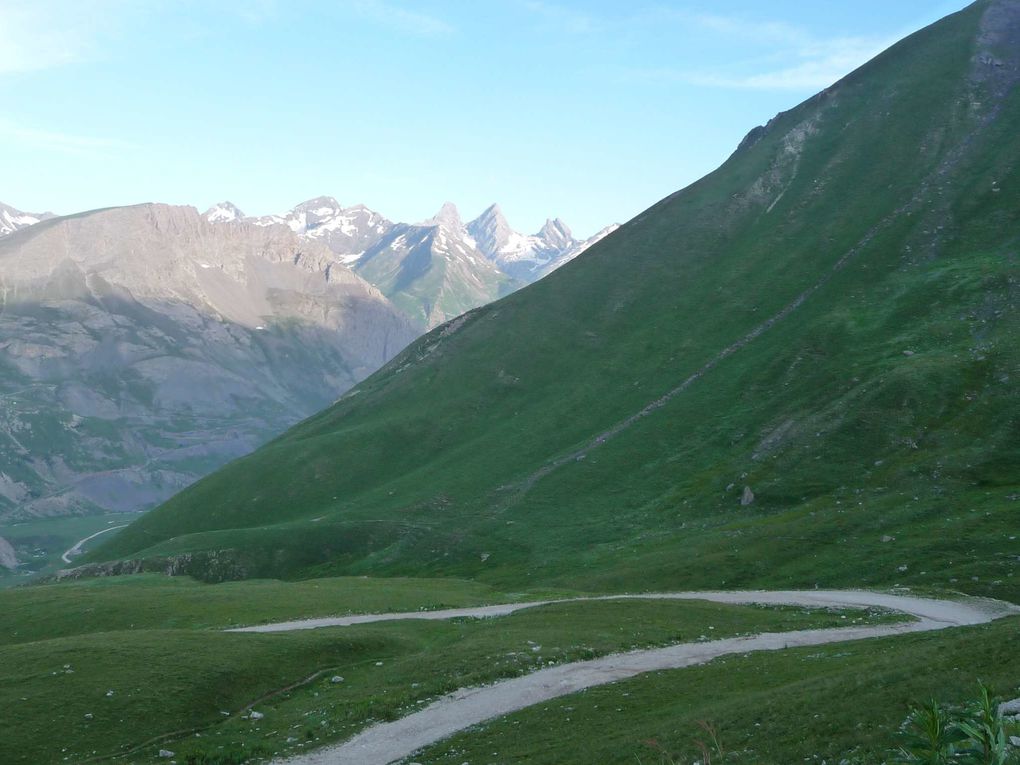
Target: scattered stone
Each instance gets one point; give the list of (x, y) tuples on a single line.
[(1011, 707), (887, 538), (109, 694), (166, 753), (378, 664), (747, 498), (336, 679), (88, 715), (485, 557), (902, 568), (253, 715)]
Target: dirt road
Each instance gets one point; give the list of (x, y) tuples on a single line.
[(392, 741)]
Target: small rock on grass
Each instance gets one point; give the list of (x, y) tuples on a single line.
[(1011, 707)]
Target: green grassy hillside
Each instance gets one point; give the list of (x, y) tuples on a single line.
[(116, 670), (829, 319)]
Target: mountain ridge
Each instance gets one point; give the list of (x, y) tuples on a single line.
[(432, 276), (141, 346)]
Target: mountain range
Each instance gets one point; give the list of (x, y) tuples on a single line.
[(798, 371), (433, 270)]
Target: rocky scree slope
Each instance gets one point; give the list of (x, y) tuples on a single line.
[(141, 347), (800, 370)]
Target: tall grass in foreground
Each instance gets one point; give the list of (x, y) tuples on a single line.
[(979, 734)]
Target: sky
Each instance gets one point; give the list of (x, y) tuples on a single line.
[(588, 111)]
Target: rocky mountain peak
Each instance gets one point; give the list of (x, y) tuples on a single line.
[(223, 212), (12, 219), (490, 230), (319, 206), (447, 217), (556, 233)]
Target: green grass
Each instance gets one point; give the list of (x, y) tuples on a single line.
[(885, 405), (180, 681), (56, 696), (40, 543), (834, 703), (147, 602)]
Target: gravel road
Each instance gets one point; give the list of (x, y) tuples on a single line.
[(392, 741)]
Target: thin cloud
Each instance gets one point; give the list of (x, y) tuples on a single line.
[(820, 64), (400, 19), (797, 59), (45, 34), (58, 142), (563, 19), (36, 35), (256, 12)]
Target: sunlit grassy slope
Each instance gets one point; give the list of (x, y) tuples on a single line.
[(843, 288)]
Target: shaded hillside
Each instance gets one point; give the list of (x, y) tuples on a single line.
[(142, 347), (829, 319)]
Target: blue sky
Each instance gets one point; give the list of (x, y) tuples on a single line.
[(590, 111)]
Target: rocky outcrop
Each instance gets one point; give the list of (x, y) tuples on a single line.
[(8, 558)]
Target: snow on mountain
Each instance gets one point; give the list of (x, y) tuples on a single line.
[(347, 231), (223, 212), (569, 254), (557, 234), (12, 219), (527, 257), (435, 269), (448, 217)]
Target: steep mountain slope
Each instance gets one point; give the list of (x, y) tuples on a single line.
[(141, 347), (799, 370), (12, 220), (544, 269)]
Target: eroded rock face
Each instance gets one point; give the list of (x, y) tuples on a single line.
[(8, 559), (142, 347)]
